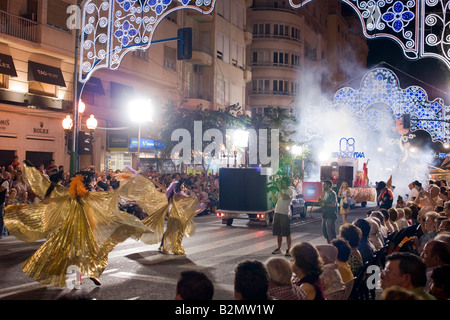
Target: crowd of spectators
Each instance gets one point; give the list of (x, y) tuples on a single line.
[(414, 234)]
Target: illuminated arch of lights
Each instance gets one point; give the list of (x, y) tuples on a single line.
[(112, 28), (381, 85), (420, 27)]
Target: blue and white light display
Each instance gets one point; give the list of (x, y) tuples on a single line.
[(381, 86), (112, 28), (420, 27)]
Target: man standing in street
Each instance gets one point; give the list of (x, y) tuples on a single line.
[(281, 226), (328, 201)]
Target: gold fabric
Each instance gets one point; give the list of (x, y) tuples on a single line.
[(180, 223), (142, 190), (80, 231), (39, 183)]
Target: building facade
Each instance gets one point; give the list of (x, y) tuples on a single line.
[(250, 53), (298, 56)]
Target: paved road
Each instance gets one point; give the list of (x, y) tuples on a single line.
[(137, 271)]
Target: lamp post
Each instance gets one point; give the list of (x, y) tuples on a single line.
[(140, 111), (240, 139), (71, 130)]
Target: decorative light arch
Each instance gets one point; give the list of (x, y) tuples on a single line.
[(112, 28), (381, 85), (420, 27)]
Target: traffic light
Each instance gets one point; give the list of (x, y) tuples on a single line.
[(184, 44), (406, 118), (84, 143)]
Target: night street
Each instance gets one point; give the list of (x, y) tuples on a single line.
[(137, 271)]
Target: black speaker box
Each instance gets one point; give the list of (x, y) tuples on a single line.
[(243, 189), (325, 173)]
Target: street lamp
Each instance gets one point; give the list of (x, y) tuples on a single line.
[(141, 110), (71, 131), (240, 139)]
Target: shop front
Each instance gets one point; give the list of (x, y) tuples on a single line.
[(32, 134), (144, 153)]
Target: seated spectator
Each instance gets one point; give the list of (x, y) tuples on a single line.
[(353, 235), (435, 254), (387, 222), (401, 220), (400, 202), (24, 198), (380, 217), (447, 209), (365, 247), (440, 282), (444, 237), (444, 226), (428, 228), (342, 257), (393, 216), (408, 213), (408, 271), (280, 281), (251, 281), (308, 266), (194, 285), (12, 198), (375, 237), (331, 277)]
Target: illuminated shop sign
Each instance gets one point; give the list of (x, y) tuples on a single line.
[(347, 149)]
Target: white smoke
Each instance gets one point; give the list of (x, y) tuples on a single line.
[(389, 153)]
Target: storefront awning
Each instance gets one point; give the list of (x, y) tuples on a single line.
[(7, 65), (94, 85), (45, 73)]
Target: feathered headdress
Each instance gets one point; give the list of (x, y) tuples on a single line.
[(80, 183)]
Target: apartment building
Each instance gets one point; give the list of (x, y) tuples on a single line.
[(298, 56), (251, 53)]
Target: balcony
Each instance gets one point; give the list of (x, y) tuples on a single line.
[(248, 37), (201, 56), (193, 103), (18, 27), (200, 17), (248, 75)]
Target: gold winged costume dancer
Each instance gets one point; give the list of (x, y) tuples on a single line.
[(156, 204), (81, 228)]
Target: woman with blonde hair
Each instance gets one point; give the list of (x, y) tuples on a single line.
[(344, 195)]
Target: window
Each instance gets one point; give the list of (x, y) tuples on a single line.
[(57, 14), (140, 54), (260, 86), (4, 81), (280, 58), (223, 9), (237, 15), (280, 87), (280, 30), (170, 58), (41, 88), (261, 30), (223, 48), (237, 55)]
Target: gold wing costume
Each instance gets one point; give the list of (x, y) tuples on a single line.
[(179, 223), (155, 203), (142, 190), (81, 228)]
